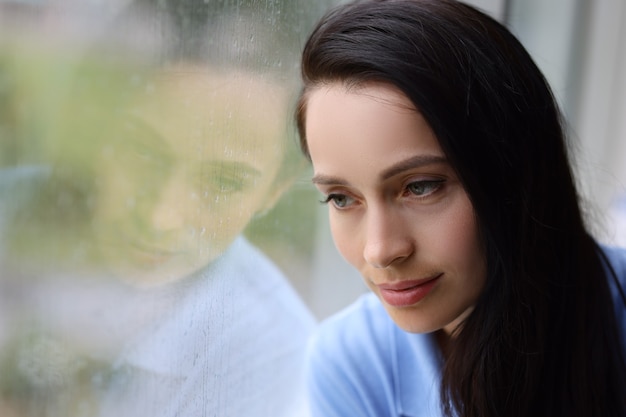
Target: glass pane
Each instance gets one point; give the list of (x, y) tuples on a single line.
[(152, 204)]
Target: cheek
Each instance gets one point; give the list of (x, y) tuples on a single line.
[(345, 238), (225, 217), (463, 232), (115, 198), (466, 246)]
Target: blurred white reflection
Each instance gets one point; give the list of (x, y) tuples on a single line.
[(131, 162)]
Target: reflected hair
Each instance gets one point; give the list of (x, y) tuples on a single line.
[(254, 36), (542, 339)]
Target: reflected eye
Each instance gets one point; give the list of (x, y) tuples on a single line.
[(338, 200), (228, 183), (224, 178), (424, 188), (140, 151)]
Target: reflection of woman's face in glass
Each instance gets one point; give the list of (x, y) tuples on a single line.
[(191, 161)]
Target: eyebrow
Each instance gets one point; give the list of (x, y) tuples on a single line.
[(153, 139), (417, 161), (322, 179), (242, 169), (397, 168), (223, 167)]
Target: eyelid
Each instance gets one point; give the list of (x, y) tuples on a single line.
[(330, 190), (328, 198), (434, 183), (331, 198), (425, 180)]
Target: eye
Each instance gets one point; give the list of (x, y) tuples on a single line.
[(340, 201), (226, 183), (224, 178), (425, 187)]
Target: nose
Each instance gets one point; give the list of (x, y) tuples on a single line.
[(388, 238), (168, 212)]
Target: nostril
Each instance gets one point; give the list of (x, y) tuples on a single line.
[(384, 254)]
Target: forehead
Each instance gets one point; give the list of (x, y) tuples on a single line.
[(372, 124), (358, 101), (199, 113)]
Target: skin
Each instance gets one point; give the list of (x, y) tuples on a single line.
[(398, 211), (191, 161)]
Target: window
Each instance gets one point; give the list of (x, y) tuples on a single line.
[(152, 206)]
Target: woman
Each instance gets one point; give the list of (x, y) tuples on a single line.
[(438, 146)]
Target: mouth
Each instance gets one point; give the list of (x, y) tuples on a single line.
[(118, 236), (152, 254), (409, 292), (121, 249)]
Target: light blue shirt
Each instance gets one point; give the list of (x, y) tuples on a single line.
[(362, 364), (231, 343)]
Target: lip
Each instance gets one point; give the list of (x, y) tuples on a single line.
[(149, 255), (153, 249), (407, 293)]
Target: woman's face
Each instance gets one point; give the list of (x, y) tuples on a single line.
[(398, 212), (192, 160)]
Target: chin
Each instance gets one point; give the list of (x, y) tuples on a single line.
[(411, 320), (143, 276)]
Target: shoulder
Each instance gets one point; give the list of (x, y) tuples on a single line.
[(241, 297), (614, 260), (365, 318), (615, 264), (361, 363), (244, 259), (349, 369), (363, 329), (247, 304), (255, 299), (250, 278), (616, 257)]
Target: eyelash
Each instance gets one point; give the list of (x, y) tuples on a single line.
[(431, 186), (333, 198)]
